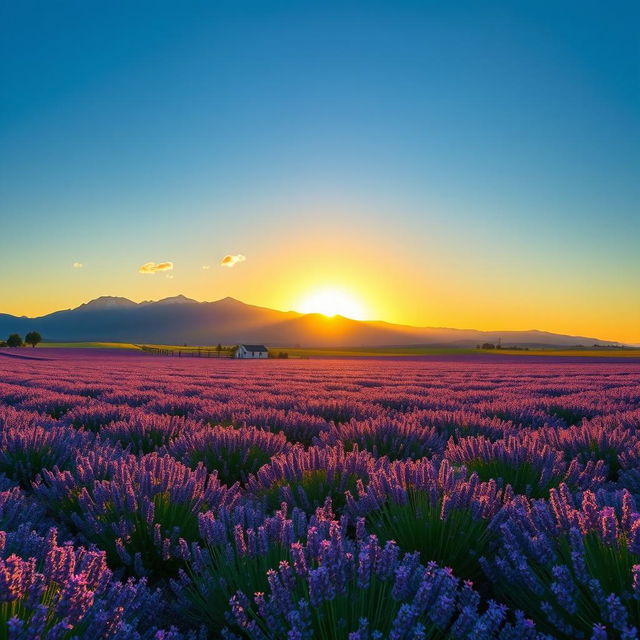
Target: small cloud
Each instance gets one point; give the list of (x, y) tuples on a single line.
[(206, 267), (170, 276), (78, 265), (232, 261), (152, 267)]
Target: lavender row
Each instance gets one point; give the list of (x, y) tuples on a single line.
[(344, 500)]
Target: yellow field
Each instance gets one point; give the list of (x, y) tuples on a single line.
[(177, 347), (425, 351), (591, 353), (363, 351), (366, 351), (89, 345)]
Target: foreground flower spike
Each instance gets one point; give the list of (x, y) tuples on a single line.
[(574, 563), (434, 510), (366, 590), (140, 514), (67, 592), (240, 546)]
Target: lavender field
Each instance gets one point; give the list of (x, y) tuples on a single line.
[(148, 497)]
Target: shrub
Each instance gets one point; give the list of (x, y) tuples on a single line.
[(393, 438), (530, 467), (58, 490), (575, 570), (17, 509), (233, 453), (305, 479), (28, 449), (339, 590), (435, 511), (145, 433), (239, 548), (96, 414), (141, 516), (598, 439), (66, 592)]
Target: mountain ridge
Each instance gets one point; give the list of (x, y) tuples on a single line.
[(179, 319)]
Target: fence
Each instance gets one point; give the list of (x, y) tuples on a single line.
[(187, 352)]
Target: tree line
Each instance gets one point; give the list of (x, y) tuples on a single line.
[(15, 340)]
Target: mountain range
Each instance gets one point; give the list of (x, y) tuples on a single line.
[(181, 320)]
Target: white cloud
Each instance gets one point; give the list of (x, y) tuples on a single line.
[(232, 260), (152, 267)]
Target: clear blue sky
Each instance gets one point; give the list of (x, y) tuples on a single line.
[(458, 147)]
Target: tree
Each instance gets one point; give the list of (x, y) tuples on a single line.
[(32, 338), (3, 343), (219, 349), (14, 340)]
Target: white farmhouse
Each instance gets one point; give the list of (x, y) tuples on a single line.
[(252, 351)]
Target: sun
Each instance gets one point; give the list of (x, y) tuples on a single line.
[(332, 302)]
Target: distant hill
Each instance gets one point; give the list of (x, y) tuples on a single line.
[(180, 320)]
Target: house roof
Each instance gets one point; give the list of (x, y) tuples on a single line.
[(255, 347)]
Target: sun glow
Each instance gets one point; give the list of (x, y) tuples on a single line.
[(332, 302)]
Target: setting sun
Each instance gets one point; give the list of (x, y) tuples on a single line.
[(332, 302)]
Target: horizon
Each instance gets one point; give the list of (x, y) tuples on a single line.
[(337, 315), (426, 165)]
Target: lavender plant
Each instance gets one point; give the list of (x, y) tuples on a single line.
[(145, 433), (529, 466), (141, 516), (18, 509), (433, 510), (339, 589), (68, 593), (26, 450), (233, 453), (75, 435), (603, 439), (305, 479), (396, 439), (239, 548), (576, 570)]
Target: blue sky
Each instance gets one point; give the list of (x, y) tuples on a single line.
[(458, 146)]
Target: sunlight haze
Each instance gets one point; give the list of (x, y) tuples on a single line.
[(444, 166)]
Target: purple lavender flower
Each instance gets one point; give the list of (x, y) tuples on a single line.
[(573, 561), (383, 436), (25, 450), (399, 599), (64, 591), (142, 512), (527, 464), (233, 453), (306, 478)]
